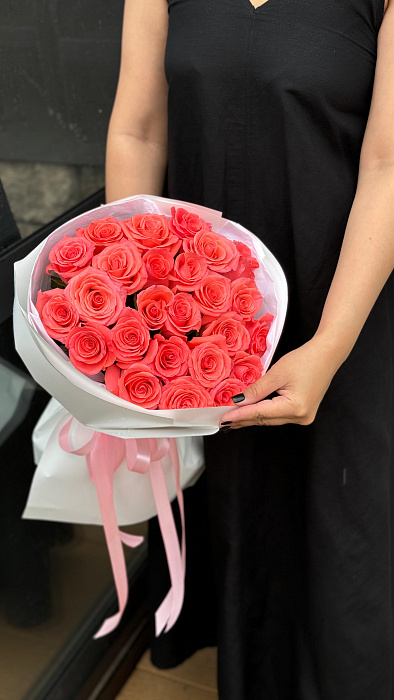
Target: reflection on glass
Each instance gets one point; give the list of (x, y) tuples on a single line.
[(39, 192), (59, 73), (52, 575)]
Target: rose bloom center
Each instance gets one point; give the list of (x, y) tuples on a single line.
[(169, 357), (182, 310), (208, 362), (131, 337), (89, 346), (96, 299), (118, 263), (106, 231), (142, 388), (62, 313), (71, 253)]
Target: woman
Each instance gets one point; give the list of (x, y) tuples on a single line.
[(281, 117)]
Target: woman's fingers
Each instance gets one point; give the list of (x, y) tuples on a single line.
[(262, 422), (299, 379), (269, 412)]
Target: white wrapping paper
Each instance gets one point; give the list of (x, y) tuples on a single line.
[(61, 488)]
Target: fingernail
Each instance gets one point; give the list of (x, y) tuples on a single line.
[(238, 397), (226, 422), (225, 429)]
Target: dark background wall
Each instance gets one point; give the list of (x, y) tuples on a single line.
[(59, 63)]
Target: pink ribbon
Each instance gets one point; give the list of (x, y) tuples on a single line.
[(104, 454)]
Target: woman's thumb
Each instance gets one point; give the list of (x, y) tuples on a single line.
[(259, 390)]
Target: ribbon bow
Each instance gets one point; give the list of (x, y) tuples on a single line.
[(104, 454)]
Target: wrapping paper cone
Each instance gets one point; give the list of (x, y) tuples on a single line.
[(128, 462)]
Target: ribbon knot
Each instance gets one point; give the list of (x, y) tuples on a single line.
[(104, 454)]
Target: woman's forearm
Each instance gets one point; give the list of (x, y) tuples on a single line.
[(133, 166), (365, 263)]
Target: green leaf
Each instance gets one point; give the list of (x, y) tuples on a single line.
[(57, 283)]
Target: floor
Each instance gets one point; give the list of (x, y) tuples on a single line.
[(81, 573), (195, 679)]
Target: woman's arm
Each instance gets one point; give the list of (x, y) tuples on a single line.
[(302, 377), (136, 152)]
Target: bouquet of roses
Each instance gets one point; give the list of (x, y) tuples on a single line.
[(142, 318), (165, 308)]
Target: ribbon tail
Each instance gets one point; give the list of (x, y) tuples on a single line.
[(168, 612), (174, 454), (131, 540), (102, 476)]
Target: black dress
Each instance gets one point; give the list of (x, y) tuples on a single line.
[(289, 529)]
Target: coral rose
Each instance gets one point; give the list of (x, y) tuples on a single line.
[(183, 316), (221, 254), (246, 264), (96, 296), (245, 298), (247, 368), (189, 270), (246, 253), (159, 263), (139, 385), (102, 232), (130, 336), (209, 362), (111, 378), (231, 326), (153, 304), (168, 358), (90, 347), (57, 313), (186, 224), (151, 231), (223, 392), (184, 392), (123, 263), (258, 334), (69, 256), (213, 297)]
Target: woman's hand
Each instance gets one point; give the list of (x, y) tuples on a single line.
[(301, 378)]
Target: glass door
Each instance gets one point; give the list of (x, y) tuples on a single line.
[(58, 77), (56, 585)]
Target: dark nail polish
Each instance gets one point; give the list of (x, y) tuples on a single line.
[(226, 422), (225, 429), (238, 397)]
